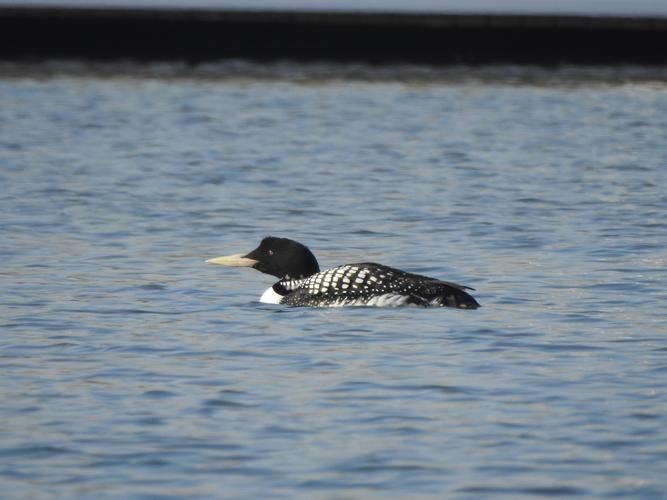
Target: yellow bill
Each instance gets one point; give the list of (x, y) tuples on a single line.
[(237, 260)]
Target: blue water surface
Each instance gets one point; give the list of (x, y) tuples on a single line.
[(130, 368)]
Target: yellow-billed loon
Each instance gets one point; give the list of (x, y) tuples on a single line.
[(364, 284)]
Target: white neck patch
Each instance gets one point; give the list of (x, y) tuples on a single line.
[(271, 297)]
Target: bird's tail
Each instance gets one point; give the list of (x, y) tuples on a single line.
[(457, 298), (446, 294)]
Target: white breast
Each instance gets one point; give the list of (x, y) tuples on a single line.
[(270, 297)]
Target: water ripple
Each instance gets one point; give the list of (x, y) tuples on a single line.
[(132, 369)]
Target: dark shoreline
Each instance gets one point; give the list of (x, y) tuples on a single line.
[(441, 39)]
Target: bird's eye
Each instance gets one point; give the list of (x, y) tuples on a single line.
[(270, 253)]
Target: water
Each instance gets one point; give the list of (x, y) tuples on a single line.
[(132, 369), (648, 8)]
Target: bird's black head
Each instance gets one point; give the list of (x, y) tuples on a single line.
[(283, 258)]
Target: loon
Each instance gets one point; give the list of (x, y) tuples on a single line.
[(301, 283)]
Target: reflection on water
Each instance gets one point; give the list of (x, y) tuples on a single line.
[(131, 368)]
